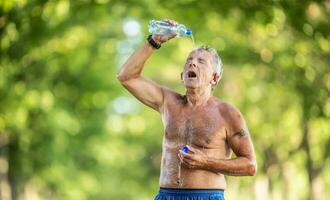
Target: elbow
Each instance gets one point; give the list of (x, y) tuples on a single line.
[(123, 78), (120, 77), (252, 168)]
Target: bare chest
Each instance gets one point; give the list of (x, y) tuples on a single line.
[(202, 128)]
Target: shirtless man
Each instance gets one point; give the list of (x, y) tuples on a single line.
[(208, 127)]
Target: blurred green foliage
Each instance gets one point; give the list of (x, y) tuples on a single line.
[(68, 130)]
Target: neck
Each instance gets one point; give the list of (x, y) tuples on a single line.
[(196, 96)]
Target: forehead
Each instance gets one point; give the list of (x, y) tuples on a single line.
[(200, 54)]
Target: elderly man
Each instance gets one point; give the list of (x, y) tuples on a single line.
[(200, 130)]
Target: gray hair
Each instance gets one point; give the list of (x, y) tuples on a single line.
[(218, 68)]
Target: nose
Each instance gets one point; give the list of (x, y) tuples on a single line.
[(192, 64)]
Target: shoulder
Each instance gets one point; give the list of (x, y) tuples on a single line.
[(232, 115), (228, 110), (170, 94), (172, 97)]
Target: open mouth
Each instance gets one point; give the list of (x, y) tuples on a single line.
[(192, 74)]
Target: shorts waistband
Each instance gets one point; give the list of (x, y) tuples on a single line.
[(183, 191)]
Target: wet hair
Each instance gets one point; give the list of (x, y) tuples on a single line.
[(218, 68)]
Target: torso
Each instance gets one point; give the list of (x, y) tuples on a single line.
[(202, 127)]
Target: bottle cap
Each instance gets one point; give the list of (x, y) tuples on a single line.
[(185, 149), (188, 31)]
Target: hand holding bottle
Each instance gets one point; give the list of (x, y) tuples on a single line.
[(165, 29), (157, 36)]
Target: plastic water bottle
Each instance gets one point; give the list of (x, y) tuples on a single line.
[(158, 27)]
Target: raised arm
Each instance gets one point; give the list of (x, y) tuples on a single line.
[(145, 90), (129, 75)]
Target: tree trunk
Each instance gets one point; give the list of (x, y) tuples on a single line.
[(288, 192), (261, 188), (315, 182), (318, 188), (5, 189)]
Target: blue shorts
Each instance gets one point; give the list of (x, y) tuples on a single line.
[(190, 194)]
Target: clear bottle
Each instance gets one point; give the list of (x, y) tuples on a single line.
[(158, 27)]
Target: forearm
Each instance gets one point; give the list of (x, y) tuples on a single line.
[(240, 166), (134, 64)]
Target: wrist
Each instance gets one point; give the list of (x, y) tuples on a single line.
[(154, 43), (208, 164)]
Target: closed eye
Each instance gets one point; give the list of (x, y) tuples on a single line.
[(202, 61), (188, 60)]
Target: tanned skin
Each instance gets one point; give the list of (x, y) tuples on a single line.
[(211, 128)]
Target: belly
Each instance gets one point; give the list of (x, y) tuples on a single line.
[(171, 177)]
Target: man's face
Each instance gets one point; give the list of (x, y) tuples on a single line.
[(198, 70)]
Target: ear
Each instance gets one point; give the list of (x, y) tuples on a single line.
[(215, 79)]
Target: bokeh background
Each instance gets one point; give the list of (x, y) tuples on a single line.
[(68, 130)]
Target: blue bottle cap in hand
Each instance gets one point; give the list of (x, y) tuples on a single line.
[(185, 149)]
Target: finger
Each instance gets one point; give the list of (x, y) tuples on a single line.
[(187, 164), (182, 155), (188, 158), (172, 22), (186, 155), (190, 163), (155, 37), (192, 149), (172, 36), (167, 21)]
